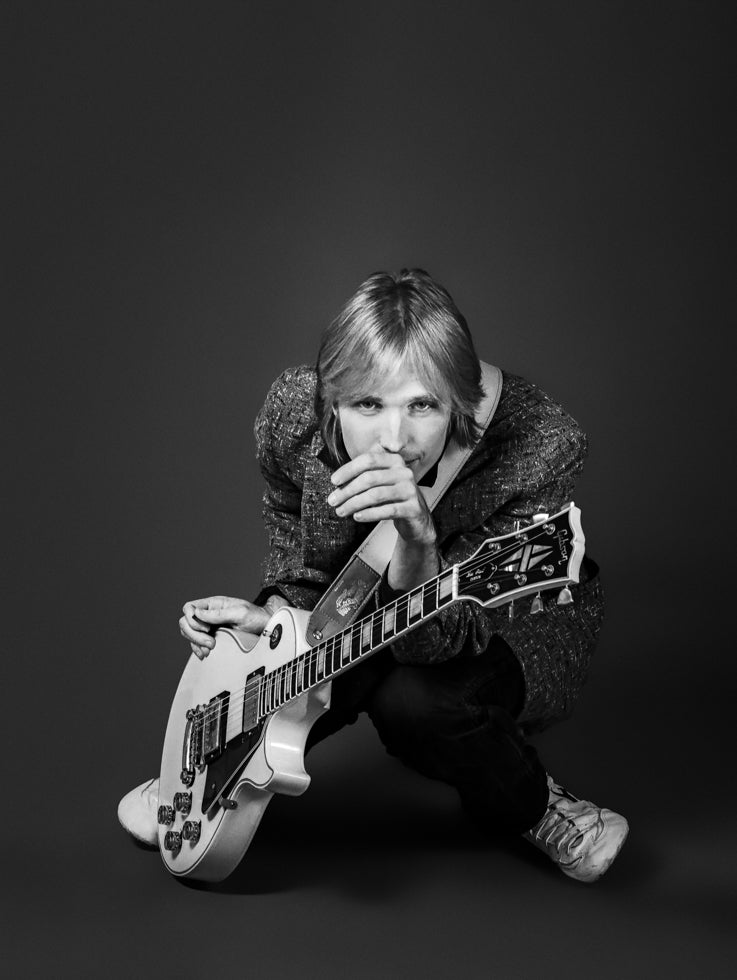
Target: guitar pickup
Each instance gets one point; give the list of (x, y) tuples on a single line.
[(214, 724)]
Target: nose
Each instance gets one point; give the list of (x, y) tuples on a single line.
[(392, 436)]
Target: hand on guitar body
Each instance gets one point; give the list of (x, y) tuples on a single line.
[(202, 617)]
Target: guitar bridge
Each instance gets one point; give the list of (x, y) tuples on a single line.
[(204, 736), (191, 752)]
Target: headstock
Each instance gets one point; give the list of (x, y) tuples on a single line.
[(546, 554)]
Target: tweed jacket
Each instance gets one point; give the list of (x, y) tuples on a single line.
[(526, 463)]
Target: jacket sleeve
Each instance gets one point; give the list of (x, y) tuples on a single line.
[(277, 431), (545, 484)]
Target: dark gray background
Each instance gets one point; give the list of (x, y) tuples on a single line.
[(194, 189)]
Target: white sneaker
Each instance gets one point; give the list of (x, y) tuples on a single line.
[(582, 838), (138, 812)]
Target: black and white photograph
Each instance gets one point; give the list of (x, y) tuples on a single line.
[(369, 411)]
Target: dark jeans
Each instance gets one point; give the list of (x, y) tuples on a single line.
[(453, 721)]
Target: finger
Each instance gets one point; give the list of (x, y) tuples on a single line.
[(397, 494), (365, 481), (193, 635), (274, 603), (382, 512), (191, 612), (376, 460), (368, 479), (218, 617), (198, 651)]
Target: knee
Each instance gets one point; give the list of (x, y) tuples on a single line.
[(411, 705)]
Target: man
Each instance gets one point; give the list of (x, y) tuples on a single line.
[(348, 444)]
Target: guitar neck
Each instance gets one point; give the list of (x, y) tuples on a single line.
[(543, 555), (357, 642)]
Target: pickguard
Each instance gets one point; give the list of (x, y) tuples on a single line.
[(222, 772)]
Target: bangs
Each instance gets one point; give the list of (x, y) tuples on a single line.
[(368, 371)]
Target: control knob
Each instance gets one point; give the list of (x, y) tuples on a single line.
[(183, 803), (166, 815), (191, 831)]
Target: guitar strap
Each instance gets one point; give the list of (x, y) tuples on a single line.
[(361, 576)]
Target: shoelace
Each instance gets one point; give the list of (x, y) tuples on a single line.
[(559, 831)]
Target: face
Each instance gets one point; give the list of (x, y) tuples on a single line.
[(400, 416)]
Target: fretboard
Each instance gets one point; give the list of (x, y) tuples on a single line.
[(346, 648)]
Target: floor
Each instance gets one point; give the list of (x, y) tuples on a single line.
[(375, 873)]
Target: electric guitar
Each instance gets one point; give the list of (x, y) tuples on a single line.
[(240, 718)]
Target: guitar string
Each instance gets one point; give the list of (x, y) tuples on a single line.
[(283, 684), (312, 656), (291, 675)]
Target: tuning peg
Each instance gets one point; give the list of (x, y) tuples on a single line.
[(564, 597), (537, 605)]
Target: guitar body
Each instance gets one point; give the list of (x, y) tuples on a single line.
[(216, 777)]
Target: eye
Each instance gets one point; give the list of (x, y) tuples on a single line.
[(366, 404), (424, 405)]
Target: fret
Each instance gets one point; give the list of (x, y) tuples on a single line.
[(366, 635), (445, 588), (402, 608), (377, 631), (321, 662), (415, 606), (390, 613), (272, 690), (355, 642), (429, 604)]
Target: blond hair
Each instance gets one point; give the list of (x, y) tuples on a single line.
[(406, 320)]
